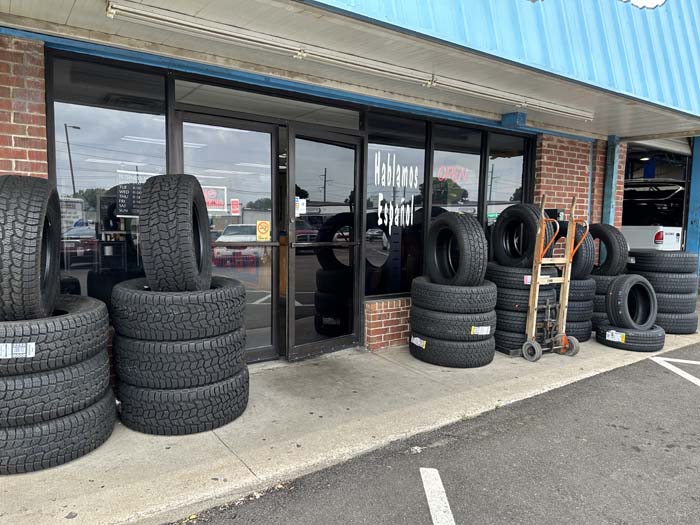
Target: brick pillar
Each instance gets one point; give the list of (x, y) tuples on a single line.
[(386, 322), (22, 107)]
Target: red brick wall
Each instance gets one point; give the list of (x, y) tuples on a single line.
[(22, 107), (387, 323)]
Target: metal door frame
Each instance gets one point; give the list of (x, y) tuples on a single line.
[(358, 142)]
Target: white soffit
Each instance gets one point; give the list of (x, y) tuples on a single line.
[(680, 146)]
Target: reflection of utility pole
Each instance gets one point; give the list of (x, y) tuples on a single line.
[(325, 182), (137, 173), (490, 184), (70, 159)]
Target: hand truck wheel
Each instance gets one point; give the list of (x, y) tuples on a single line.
[(573, 346), (532, 351)]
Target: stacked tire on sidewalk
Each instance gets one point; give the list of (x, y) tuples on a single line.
[(631, 308), (179, 348), (674, 277), (452, 313), (55, 400), (613, 260), (513, 244)]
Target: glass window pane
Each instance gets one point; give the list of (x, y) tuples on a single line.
[(395, 182), (234, 168), (456, 162), (504, 181), (109, 138)]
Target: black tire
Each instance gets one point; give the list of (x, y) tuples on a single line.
[(515, 278), (650, 340), (454, 299), (602, 283), (662, 261), (511, 342), (599, 318), (100, 285), (678, 323), (30, 247), (49, 444), (514, 235), (584, 258), (326, 255), (518, 300), (676, 303), (616, 250), (672, 282), (331, 326), (582, 331), (40, 397), (579, 311), (457, 251), (179, 364), (508, 321), (69, 285), (453, 327), (336, 281), (332, 305), (76, 332), (582, 289), (183, 411), (454, 354), (174, 234), (599, 302), (631, 303), (140, 313)]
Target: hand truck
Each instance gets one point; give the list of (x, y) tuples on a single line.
[(553, 326)]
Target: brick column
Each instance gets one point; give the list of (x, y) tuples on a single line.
[(386, 322), (22, 107)]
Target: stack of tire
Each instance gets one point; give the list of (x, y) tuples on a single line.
[(55, 401), (631, 306), (180, 336), (452, 313), (613, 260), (513, 243), (674, 277)]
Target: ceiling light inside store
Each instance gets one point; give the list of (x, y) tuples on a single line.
[(179, 23), (230, 172), (644, 159)]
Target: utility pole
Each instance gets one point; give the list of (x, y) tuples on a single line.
[(70, 158), (325, 180)]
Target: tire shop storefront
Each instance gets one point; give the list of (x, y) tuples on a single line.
[(320, 167)]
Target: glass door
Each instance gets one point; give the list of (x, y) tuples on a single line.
[(323, 256), (234, 162)]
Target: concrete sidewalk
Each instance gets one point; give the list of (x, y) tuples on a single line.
[(301, 417)]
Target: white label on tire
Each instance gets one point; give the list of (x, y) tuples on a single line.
[(631, 260), (17, 350), (612, 335), (480, 330), (418, 342), (527, 279)]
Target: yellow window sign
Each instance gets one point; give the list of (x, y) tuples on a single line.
[(262, 231)]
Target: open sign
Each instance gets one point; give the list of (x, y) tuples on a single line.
[(215, 197)]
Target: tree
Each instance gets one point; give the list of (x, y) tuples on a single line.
[(90, 196), (448, 192), (517, 195), (264, 203), (300, 192)]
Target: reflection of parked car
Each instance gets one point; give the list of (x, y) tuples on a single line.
[(374, 234), (79, 246), (238, 233)]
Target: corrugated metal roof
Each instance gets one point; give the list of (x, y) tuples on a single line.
[(649, 54)]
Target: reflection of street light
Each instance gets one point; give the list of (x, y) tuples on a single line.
[(70, 159)]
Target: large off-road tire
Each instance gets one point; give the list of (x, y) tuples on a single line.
[(678, 323), (616, 249), (330, 326), (453, 327), (455, 299), (516, 278), (662, 261), (30, 247), (631, 303), (582, 289), (514, 235), (140, 313), (518, 300), (326, 254), (650, 340), (457, 251), (332, 305), (509, 321), (183, 411), (599, 318), (48, 444), (179, 364), (76, 332), (174, 234), (672, 282), (579, 311), (40, 397), (676, 303), (454, 354)]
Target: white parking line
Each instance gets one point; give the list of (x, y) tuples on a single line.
[(666, 363), (439, 507), (262, 299)]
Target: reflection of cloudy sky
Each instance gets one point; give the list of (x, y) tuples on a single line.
[(507, 176), (97, 148), (405, 157), (312, 158)]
